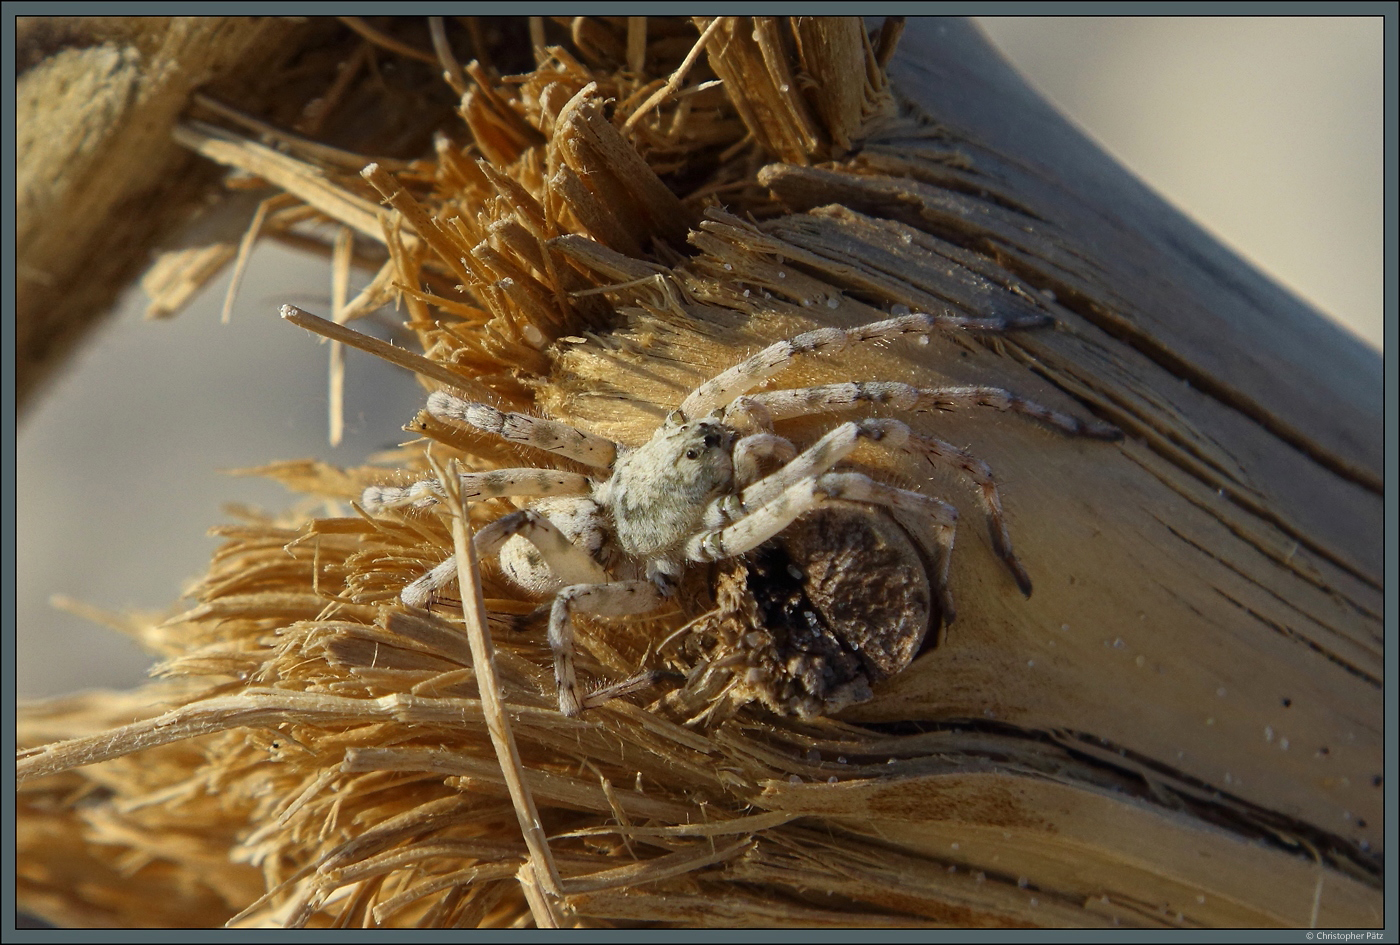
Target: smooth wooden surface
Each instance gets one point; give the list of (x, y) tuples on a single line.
[(1195, 306)]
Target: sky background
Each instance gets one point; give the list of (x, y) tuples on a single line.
[(1266, 131)]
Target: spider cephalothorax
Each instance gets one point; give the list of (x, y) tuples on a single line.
[(714, 481), (659, 494)]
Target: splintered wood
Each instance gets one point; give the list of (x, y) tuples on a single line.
[(589, 241)]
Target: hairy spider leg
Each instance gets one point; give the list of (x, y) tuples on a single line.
[(613, 599), (942, 453), (822, 455), (587, 590), (830, 398), (420, 591), (568, 563), (831, 449), (751, 451), (548, 435), (479, 486), (753, 370)]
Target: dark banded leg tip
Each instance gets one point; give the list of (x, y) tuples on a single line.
[(1023, 580)]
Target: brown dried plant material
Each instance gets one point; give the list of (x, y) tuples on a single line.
[(318, 755), (778, 73)]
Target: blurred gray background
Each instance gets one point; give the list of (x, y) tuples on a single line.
[(1267, 131)]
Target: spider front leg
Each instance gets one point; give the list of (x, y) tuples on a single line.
[(753, 451), (822, 455), (828, 398), (808, 494), (548, 435)]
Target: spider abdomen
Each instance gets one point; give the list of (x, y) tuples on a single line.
[(812, 619)]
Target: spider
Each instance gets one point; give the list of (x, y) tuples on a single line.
[(713, 482)]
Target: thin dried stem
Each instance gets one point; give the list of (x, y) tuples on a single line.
[(324, 153), (296, 177), (421, 221), (388, 42), (245, 248), (677, 77), (248, 709), (451, 68), (544, 872), (537, 39), (341, 255), (636, 44), (382, 349)]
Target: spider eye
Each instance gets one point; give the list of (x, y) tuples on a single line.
[(692, 453)]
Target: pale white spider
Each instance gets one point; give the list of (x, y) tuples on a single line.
[(616, 543)]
